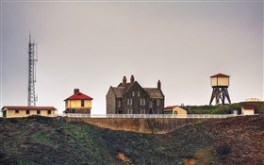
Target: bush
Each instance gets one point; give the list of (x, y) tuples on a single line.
[(223, 149)]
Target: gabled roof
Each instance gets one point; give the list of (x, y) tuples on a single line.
[(154, 92), (79, 96), (220, 75), (125, 87), (170, 107), (118, 91), (29, 107), (248, 107)]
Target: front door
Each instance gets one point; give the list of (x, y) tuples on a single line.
[(150, 111)]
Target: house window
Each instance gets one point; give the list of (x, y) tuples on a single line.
[(158, 102), (82, 103), (138, 93), (143, 102), (66, 103), (142, 111), (49, 112), (27, 112), (38, 112), (129, 102), (133, 93), (150, 104), (118, 103), (129, 111), (17, 111)]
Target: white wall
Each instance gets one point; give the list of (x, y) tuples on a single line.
[(247, 111)]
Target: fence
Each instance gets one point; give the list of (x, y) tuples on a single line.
[(193, 116)]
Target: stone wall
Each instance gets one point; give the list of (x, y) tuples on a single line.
[(143, 125)]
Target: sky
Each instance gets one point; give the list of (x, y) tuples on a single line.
[(92, 45)]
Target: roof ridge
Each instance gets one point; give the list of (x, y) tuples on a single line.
[(79, 95)]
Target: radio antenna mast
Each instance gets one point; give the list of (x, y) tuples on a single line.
[(32, 59)]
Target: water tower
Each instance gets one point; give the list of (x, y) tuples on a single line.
[(220, 83)]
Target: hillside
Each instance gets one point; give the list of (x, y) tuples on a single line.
[(39, 140), (223, 109)]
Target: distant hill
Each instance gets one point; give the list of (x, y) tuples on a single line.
[(39, 140)]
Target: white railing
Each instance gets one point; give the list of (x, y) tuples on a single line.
[(194, 116)]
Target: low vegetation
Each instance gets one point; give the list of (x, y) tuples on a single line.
[(39, 140), (224, 109)]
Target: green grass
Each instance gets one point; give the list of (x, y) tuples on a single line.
[(56, 141), (41, 137), (224, 109)]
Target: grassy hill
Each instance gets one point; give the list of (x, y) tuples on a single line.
[(39, 140), (224, 109)]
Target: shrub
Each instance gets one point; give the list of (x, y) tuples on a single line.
[(223, 149)]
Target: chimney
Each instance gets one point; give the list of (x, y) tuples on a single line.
[(132, 79), (124, 80), (159, 85), (76, 90)]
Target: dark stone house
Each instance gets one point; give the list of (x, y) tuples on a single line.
[(131, 98)]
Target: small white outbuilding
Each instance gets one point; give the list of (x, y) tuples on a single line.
[(247, 110)]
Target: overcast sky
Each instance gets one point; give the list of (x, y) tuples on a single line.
[(92, 45)]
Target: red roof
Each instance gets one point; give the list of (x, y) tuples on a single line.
[(29, 107), (220, 75), (248, 107), (170, 107), (79, 96)]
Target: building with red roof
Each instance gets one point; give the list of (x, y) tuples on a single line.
[(220, 75), (78, 103), (220, 83), (247, 109)]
